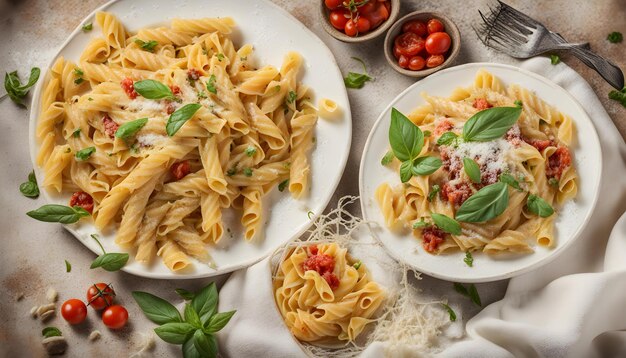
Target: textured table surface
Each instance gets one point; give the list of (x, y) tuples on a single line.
[(32, 253)]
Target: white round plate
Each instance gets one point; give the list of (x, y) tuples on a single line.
[(273, 32), (570, 219)]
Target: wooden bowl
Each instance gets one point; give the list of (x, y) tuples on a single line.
[(325, 12), (396, 29)]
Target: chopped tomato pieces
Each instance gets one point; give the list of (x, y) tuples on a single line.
[(313, 249), (110, 127), (129, 87), (82, 199), (456, 194), (540, 144), (332, 280), (481, 103), (433, 236), (322, 264), (443, 126), (169, 107), (180, 170), (558, 162), (175, 90)]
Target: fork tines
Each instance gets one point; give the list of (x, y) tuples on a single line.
[(503, 27)]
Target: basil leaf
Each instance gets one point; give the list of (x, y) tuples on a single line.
[(433, 191), (538, 206), (450, 312), (615, 37), (29, 188), (490, 123), (174, 332), (205, 344), (210, 86), (220, 320), (387, 159), (180, 117), (518, 103), (425, 165), (186, 295), (472, 293), (191, 317), (53, 213), (619, 96), (486, 204), (283, 184), (555, 59), (508, 178), (291, 97), (190, 350), (420, 224), (447, 138), (405, 171), (469, 259), (205, 302), (147, 46), (472, 170), (110, 261), (131, 128), (152, 89), (68, 266), (356, 80), (85, 153), (88, 27), (406, 139), (15, 89), (427, 133), (446, 224), (51, 332), (156, 309)]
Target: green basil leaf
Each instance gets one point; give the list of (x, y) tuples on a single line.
[(191, 317), (446, 224), (619, 96), (291, 97), (433, 191), (538, 206), (387, 159), (405, 171), (220, 320), (486, 204), (51, 332), (190, 350), (210, 86), (406, 139), (131, 128), (518, 103), (470, 292), (174, 332), (460, 289), (555, 59), (68, 266), (472, 170), (146, 45), (180, 117), (451, 312), (186, 295), (206, 345), (508, 178), (615, 37), (205, 302), (491, 123), (29, 188), (152, 89), (356, 80), (427, 133), (447, 138), (85, 153), (15, 89), (420, 224), (283, 184), (110, 261), (53, 213), (156, 309), (425, 165), (469, 259)]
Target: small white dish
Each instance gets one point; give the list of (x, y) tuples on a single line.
[(570, 221), (273, 32)]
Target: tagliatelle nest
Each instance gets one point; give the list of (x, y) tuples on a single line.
[(406, 322)]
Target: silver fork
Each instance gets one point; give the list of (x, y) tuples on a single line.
[(518, 35)]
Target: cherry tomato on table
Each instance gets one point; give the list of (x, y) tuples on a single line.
[(434, 61), (115, 317), (74, 311), (415, 26), (338, 18), (409, 44), (333, 4), (434, 25), (416, 63), (438, 43), (100, 296), (351, 29), (362, 25)]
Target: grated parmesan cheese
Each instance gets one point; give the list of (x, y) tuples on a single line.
[(150, 139), (490, 156), (141, 104)]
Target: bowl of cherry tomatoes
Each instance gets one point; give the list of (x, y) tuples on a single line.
[(358, 20), (422, 43)]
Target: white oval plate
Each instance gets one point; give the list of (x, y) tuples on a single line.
[(571, 218), (273, 32)]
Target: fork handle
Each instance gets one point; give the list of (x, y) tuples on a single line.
[(609, 71)]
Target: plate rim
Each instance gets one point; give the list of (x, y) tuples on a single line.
[(32, 124), (531, 267)]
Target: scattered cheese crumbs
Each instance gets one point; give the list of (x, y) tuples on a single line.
[(95, 335), (19, 296), (145, 105), (150, 139), (33, 311), (52, 295)]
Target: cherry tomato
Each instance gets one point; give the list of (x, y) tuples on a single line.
[(367, 8), (415, 26), (416, 63), (377, 16), (333, 4), (434, 25), (434, 61), (438, 43), (403, 61), (338, 18), (100, 296), (74, 311), (396, 51), (115, 317), (350, 29), (409, 44), (362, 24)]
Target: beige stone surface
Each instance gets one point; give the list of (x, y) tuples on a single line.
[(32, 253)]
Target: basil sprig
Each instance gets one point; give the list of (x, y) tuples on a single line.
[(15, 90), (129, 129), (446, 223), (29, 188), (357, 80), (53, 213), (486, 204), (152, 89), (109, 261), (490, 124), (407, 140), (196, 332), (538, 206), (180, 117), (472, 170)]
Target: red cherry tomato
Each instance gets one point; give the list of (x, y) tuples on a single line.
[(333, 4), (434, 25), (415, 26), (409, 44), (396, 51), (362, 24), (434, 61), (74, 311), (338, 18), (367, 8), (100, 296), (438, 43), (416, 63), (350, 29), (377, 16), (115, 317), (403, 61)]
